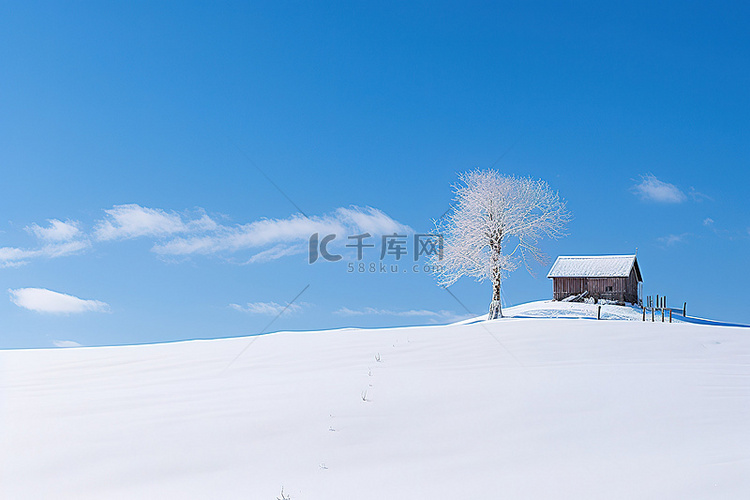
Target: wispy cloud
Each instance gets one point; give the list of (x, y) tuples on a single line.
[(652, 189), (441, 316), (187, 234), (247, 236), (371, 311), (65, 343), (57, 230), (267, 308), (369, 220), (12, 256), (282, 232), (672, 239), (276, 252), (133, 221), (698, 196), (57, 239), (721, 232), (46, 301)]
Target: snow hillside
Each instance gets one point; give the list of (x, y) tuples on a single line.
[(521, 408), (576, 310)]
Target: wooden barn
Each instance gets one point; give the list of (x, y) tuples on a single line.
[(612, 277)]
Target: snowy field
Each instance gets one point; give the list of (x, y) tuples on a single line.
[(519, 408)]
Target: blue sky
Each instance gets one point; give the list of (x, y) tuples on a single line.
[(137, 142)]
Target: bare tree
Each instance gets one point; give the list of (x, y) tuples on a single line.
[(493, 225)]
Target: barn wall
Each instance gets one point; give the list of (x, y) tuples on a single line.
[(564, 287), (631, 290), (619, 289), (606, 288)]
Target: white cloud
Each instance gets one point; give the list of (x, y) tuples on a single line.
[(370, 220), (297, 228), (57, 230), (652, 189), (63, 249), (132, 221), (671, 239), (371, 311), (276, 252), (197, 234), (252, 235), (698, 196), (441, 316), (708, 221), (47, 301), (65, 343), (12, 257), (267, 308)]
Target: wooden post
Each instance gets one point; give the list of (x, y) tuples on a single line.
[(644, 314), (670, 315), (662, 315), (599, 312), (684, 309), (652, 314)]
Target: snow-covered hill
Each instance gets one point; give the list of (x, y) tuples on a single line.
[(516, 408)]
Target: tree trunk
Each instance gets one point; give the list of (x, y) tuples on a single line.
[(496, 310)]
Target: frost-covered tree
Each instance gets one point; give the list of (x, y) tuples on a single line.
[(494, 224)]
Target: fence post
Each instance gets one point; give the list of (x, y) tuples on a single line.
[(652, 314), (657, 300), (644, 314), (599, 312), (684, 309), (662, 315), (670, 315)]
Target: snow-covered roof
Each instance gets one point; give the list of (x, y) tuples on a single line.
[(594, 266)]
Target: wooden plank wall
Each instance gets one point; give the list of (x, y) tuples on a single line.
[(621, 289)]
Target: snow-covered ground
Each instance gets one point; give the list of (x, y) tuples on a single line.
[(557, 309), (520, 408), (575, 310)]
